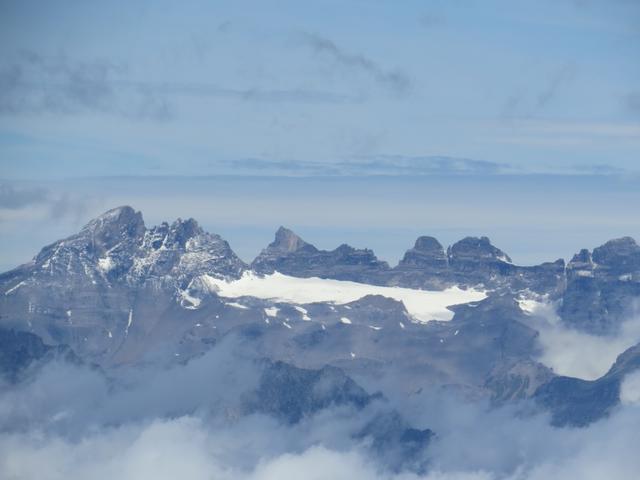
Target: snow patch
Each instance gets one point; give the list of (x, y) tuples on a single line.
[(192, 303), (503, 258), (271, 312), (304, 312), (105, 264), (529, 306), (345, 320), (237, 305), (14, 288), (423, 305), (129, 322), (584, 273)]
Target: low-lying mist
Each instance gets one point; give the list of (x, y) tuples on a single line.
[(187, 420)]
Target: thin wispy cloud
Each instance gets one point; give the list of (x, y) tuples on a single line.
[(12, 197), (393, 80), (392, 165), (33, 83), (294, 95), (560, 78)]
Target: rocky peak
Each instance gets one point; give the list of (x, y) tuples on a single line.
[(426, 252), (287, 241), (181, 231), (114, 226), (428, 245), (477, 249), (581, 261), (621, 255), (117, 232)]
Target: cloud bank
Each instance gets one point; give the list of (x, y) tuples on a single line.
[(71, 422)]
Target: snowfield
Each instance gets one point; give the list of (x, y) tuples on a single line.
[(422, 305)]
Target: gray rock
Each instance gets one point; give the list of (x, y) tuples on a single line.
[(602, 287), (290, 255)]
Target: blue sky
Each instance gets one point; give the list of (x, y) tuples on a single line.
[(461, 95)]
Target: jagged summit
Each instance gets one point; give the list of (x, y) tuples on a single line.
[(287, 241), (113, 226), (116, 248), (622, 254), (476, 249), (120, 215)]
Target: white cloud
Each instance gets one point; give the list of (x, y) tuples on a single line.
[(630, 389), (574, 353)]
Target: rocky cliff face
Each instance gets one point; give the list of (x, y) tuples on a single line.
[(24, 351), (603, 287)]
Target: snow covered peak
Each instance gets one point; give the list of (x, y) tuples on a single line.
[(117, 249)]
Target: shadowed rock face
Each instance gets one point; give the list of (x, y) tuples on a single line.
[(20, 351), (290, 393), (603, 287), (396, 443)]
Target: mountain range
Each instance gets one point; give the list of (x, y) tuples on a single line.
[(118, 294)]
